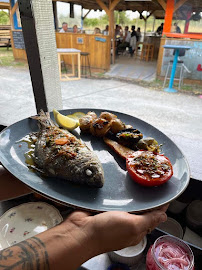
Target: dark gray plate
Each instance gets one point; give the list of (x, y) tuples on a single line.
[(119, 191)]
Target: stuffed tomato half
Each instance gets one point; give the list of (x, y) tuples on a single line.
[(149, 169)]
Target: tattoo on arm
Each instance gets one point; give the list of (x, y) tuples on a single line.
[(27, 255)]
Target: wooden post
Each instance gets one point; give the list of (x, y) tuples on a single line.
[(186, 28), (112, 33), (110, 12), (39, 36), (55, 14), (145, 26), (169, 16), (71, 10), (153, 26)]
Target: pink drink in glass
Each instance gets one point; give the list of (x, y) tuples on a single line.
[(169, 253)]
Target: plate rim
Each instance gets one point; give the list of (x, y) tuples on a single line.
[(26, 203)]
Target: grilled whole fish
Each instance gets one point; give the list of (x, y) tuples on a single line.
[(60, 154)]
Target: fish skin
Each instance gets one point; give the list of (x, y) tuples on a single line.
[(73, 161)]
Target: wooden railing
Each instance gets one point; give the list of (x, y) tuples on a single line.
[(98, 46)]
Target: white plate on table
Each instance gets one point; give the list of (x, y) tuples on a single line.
[(27, 220)]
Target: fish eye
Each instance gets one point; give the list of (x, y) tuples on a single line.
[(89, 172)]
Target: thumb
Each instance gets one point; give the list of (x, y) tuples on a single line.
[(149, 221)]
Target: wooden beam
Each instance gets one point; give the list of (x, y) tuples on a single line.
[(150, 13), (86, 14), (103, 6), (169, 16), (142, 17), (179, 4), (162, 3), (114, 4), (13, 10), (189, 35)]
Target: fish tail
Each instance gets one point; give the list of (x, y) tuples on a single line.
[(44, 119)]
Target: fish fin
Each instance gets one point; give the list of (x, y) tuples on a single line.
[(44, 119)]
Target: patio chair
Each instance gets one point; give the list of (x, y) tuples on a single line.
[(147, 53)]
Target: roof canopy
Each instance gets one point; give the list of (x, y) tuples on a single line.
[(138, 5), (4, 4)]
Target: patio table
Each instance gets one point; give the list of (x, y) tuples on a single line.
[(72, 52), (177, 48)]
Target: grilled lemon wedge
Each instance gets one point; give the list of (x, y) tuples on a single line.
[(65, 121), (76, 115)]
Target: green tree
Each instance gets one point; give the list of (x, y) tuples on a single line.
[(91, 22), (4, 17), (120, 17), (104, 19)]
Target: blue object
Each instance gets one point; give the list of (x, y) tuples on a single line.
[(118, 266), (177, 48), (15, 20), (100, 39)]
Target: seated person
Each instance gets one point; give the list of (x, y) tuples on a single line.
[(97, 31), (159, 30), (177, 28), (126, 41), (75, 29), (106, 31), (133, 41), (64, 28)]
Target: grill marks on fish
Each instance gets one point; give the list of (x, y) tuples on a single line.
[(59, 153)]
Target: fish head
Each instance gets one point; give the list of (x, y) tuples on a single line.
[(93, 175)]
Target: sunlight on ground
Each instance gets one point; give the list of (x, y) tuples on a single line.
[(7, 59)]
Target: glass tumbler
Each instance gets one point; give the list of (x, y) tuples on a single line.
[(169, 253)]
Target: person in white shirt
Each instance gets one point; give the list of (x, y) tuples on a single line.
[(127, 35), (64, 27), (106, 31)]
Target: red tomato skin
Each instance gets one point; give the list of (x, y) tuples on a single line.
[(146, 180)]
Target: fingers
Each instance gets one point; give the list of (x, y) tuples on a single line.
[(163, 208), (147, 222), (79, 215)]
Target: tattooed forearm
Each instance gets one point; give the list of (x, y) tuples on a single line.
[(27, 255)]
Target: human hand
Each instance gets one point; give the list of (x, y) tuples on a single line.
[(115, 230)]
